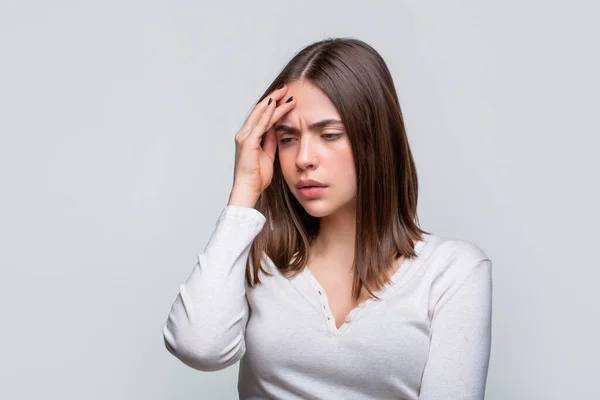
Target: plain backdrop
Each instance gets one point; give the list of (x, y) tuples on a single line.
[(117, 123)]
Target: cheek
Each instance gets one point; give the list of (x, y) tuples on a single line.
[(346, 162), (287, 166), (347, 170), (284, 161)]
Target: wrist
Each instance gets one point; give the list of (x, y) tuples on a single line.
[(242, 199)]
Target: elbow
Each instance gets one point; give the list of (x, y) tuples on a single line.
[(201, 353)]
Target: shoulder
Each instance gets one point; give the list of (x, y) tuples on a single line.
[(450, 262), (449, 252)]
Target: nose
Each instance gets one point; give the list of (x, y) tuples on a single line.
[(307, 153)]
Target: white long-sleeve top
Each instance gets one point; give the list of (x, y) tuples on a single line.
[(428, 337)]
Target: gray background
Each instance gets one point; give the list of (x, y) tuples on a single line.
[(117, 123)]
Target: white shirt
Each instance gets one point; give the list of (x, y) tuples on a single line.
[(427, 338)]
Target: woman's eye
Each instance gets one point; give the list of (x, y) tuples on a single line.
[(332, 136), (327, 136)]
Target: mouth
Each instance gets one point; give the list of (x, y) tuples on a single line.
[(312, 191)]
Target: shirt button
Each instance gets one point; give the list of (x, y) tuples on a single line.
[(349, 318)]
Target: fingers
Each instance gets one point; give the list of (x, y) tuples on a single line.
[(281, 110), (271, 114), (261, 126), (260, 108)]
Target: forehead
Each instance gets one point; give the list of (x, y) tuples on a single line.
[(312, 105)]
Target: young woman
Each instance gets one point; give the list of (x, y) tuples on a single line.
[(317, 277)]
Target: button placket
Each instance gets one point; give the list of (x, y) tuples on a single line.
[(330, 320), (324, 304)]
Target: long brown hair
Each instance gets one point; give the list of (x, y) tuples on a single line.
[(357, 81)]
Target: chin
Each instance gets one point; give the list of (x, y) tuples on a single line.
[(316, 208), (319, 208), (317, 213)]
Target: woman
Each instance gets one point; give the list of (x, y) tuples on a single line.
[(341, 295)]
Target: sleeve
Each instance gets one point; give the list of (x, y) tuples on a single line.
[(460, 339), (206, 324)]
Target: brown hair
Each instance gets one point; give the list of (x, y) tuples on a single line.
[(357, 81)]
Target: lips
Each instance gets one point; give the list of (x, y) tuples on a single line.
[(309, 183), (313, 192)]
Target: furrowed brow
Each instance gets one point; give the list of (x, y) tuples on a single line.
[(315, 125)]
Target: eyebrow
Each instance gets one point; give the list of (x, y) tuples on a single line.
[(313, 126)]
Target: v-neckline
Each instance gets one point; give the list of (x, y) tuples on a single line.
[(383, 292)]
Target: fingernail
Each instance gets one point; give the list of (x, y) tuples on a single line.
[(270, 100), (290, 99), (282, 84)]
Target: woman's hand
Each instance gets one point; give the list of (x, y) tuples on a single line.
[(254, 158)]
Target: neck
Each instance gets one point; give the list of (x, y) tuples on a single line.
[(336, 235)]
